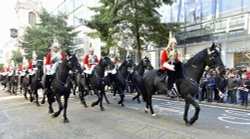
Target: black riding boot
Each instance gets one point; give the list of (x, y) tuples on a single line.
[(172, 91), (163, 78), (29, 86)]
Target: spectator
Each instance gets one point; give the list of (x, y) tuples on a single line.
[(233, 82), (210, 86), (244, 90)]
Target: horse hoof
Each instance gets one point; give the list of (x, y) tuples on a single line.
[(31, 99), (66, 120), (155, 115), (38, 104), (102, 109), (51, 111), (55, 115), (146, 110), (108, 102), (93, 104), (43, 102), (122, 105), (85, 106), (188, 124)]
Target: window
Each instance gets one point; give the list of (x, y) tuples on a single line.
[(236, 33), (237, 22), (221, 25), (240, 58), (32, 18)]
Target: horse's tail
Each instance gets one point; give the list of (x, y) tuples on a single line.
[(144, 94), (138, 80)]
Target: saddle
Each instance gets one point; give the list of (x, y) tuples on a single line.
[(162, 75)]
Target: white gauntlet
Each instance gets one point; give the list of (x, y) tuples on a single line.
[(168, 66)]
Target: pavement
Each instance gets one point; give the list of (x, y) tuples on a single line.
[(224, 105)]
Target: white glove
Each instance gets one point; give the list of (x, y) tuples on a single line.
[(168, 66), (47, 67), (86, 66)]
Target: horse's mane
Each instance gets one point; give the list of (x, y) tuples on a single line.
[(196, 58), (122, 65), (137, 66)]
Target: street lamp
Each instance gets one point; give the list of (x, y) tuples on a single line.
[(13, 33)]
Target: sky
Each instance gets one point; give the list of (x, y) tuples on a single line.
[(8, 17)]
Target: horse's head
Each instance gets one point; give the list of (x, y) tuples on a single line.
[(107, 63), (146, 63), (39, 64), (39, 72), (73, 63), (214, 59), (130, 63)]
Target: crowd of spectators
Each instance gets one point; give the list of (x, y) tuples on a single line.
[(234, 88)]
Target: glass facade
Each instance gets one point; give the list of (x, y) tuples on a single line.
[(191, 11)]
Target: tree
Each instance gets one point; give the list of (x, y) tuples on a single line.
[(133, 23), (17, 57), (39, 37)]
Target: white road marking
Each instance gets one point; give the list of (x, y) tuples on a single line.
[(235, 117)]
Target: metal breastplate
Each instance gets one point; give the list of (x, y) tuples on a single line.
[(171, 55), (91, 59)]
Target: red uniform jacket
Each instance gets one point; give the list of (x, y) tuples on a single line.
[(20, 68), (165, 58), (30, 65), (48, 58), (248, 75), (9, 69), (3, 69), (86, 60)]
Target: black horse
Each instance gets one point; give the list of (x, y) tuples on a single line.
[(186, 80), (24, 83), (36, 81), (97, 81), (61, 85), (138, 72), (13, 82), (3, 80), (119, 80)]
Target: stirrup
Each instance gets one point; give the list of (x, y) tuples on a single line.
[(171, 93)]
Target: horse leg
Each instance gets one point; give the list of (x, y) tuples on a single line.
[(50, 101), (121, 98), (66, 98), (191, 100), (104, 94), (31, 96), (185, 116), (138, 95), (114, 91), (81, 96), (60, 106), (101, 96), (150, 106), (43, 100), (98, 96), (25, 93), (36, 95)]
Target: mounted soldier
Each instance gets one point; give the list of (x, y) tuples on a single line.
[(53, 57), (114, 58), (32, 66), (169, 58), (89, 62)]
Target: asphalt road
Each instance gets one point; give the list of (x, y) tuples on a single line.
[(21, 119)]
